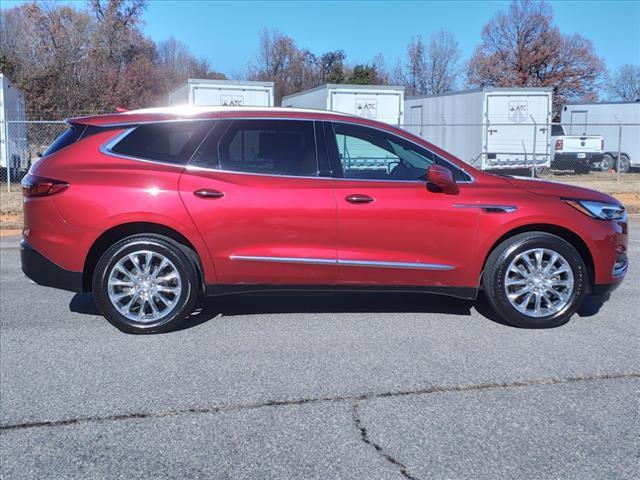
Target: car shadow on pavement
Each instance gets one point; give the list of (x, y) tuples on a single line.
[(352, 302)]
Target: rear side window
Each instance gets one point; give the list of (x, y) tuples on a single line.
[(71, 135), (172, 142), (274, 147)]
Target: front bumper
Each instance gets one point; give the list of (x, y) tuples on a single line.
[(605, 289), (44, 272)]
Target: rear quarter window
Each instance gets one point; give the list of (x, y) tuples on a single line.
[(171, 142), (68, 137)]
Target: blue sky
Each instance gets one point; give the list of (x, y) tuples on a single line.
[(226, 33)]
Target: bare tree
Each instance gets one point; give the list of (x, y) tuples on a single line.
[(431, 69), (443, 59), (522, 48), (177, 64), (416, 71), (625, 84), (69, 60), (279, 60)]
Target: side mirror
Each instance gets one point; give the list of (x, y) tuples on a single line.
[(442, 178)]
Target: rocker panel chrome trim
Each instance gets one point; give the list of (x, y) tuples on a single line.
[(346, 263)]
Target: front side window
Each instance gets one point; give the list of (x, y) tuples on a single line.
[(367, 153), (171, 142)]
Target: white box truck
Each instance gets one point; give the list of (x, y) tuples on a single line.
[(14, 153), (605, 119), (491, 128), (209, 93), (384, 103)]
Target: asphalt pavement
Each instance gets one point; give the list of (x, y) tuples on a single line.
[(341, 386)]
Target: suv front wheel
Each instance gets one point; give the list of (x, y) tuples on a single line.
[(145, 284), (535, 280)]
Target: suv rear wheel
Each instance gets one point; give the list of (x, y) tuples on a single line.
[(535, 280), (145, 284)]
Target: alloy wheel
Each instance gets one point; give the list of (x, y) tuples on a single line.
[(539, 282), (144, 286)]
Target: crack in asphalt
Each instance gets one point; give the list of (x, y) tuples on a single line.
[(314, 400), (364, 435)]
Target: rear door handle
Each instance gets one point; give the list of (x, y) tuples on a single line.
[(208, 193), (358, 198)]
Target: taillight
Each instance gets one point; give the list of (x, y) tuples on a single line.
[(35, 186), (602, 144), (559, 144)]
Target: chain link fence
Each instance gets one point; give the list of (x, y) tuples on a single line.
[(561, 151), (535, 149), (21, 144)]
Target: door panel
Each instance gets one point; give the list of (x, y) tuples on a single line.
[(392, 228), (253, 192), (420, 235), (263, 216)]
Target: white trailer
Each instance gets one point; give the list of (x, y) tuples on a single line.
[(384, 103), (491, 128), (606, 119), (14, 153), (208, 93)]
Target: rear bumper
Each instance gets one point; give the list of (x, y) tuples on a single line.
[(44, 272), (572, 158)]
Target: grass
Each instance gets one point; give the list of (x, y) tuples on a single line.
[(10, 208), (627, 190)]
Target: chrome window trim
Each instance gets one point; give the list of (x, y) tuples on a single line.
[(106, 148), (196, 167), (346, 263)]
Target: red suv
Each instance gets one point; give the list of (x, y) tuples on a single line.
[(149, 209)]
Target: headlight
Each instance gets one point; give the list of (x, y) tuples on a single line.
[(599, 210)]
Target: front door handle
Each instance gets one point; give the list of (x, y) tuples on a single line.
[(358, 198), (208, 193)]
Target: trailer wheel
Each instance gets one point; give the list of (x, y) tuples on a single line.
[(624, 164), (607, 162), (543, 172)]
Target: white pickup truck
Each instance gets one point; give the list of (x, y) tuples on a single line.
[(579, 153)]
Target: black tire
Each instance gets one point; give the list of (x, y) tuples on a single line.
[(183, 303), (607, 162), (625, 164), (495, 274), (581, 169), (543, 172)]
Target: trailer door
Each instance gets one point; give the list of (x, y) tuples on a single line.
[(578, 123), (415, 120), (511, 131)]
